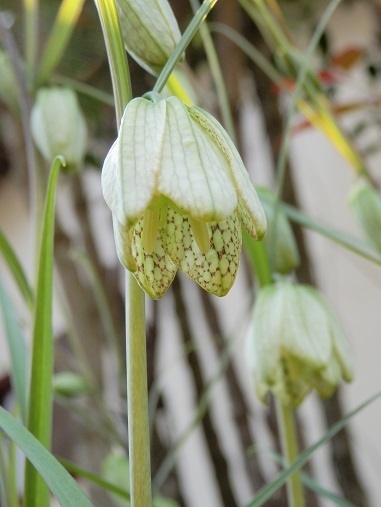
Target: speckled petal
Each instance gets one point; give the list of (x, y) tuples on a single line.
[(155, 272), (194, 173), (214, 271), (250, 208), (123, 238), (129, 175)]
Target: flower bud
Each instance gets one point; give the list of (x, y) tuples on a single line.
[(279, 235), (295, 344), (150, 31), (69, 384), (365, 203), (58, 126)]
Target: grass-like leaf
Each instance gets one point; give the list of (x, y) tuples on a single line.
[(347, 241), (59, 37), (40, 397), (62, 485), (308, 481), (17, 351), (267, 491), (16, 269), (95, 479)]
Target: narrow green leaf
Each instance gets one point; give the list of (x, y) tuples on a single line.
[(40, 398), (355, 245), (95, 479), (17, 351), (62, 485), (267, 491), (59, 37), (308, 480), (16, 269)]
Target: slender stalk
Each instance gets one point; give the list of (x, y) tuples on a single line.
[(290, 451), (138, 422), (138, 426), (116, 54)]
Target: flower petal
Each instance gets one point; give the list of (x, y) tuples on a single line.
[(250, 208), (214, 271), (305, 332), (194, 173), (155, 272), (129, 176), (123, 238)]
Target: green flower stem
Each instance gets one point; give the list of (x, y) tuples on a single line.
[(138, 425), (116, 54), (290, 451), (184, 42), (285, 416), (138, 421)]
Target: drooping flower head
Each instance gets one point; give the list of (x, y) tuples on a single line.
[(295, 344), (178, 192)]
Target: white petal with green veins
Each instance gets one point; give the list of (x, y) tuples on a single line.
[(252, 214), (214, 271), (130, 169), (194, 173), (306, 333), (155, 272)]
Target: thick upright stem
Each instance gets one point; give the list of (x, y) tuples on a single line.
[(138, 426), (290, 451)]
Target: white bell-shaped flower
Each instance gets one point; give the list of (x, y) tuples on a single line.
[(178, 192)]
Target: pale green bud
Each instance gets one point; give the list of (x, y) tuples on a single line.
[(69, 384), (58, 126), (279, 235), (295, 344), (365, 204), (150, 31)]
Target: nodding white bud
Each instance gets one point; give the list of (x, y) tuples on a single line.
[(150, 31), (295, 344), (58, 126)]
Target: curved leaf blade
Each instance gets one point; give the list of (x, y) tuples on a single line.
[(40, 397), (267, 491), (62, 485), (17, 351), (16, 269)]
